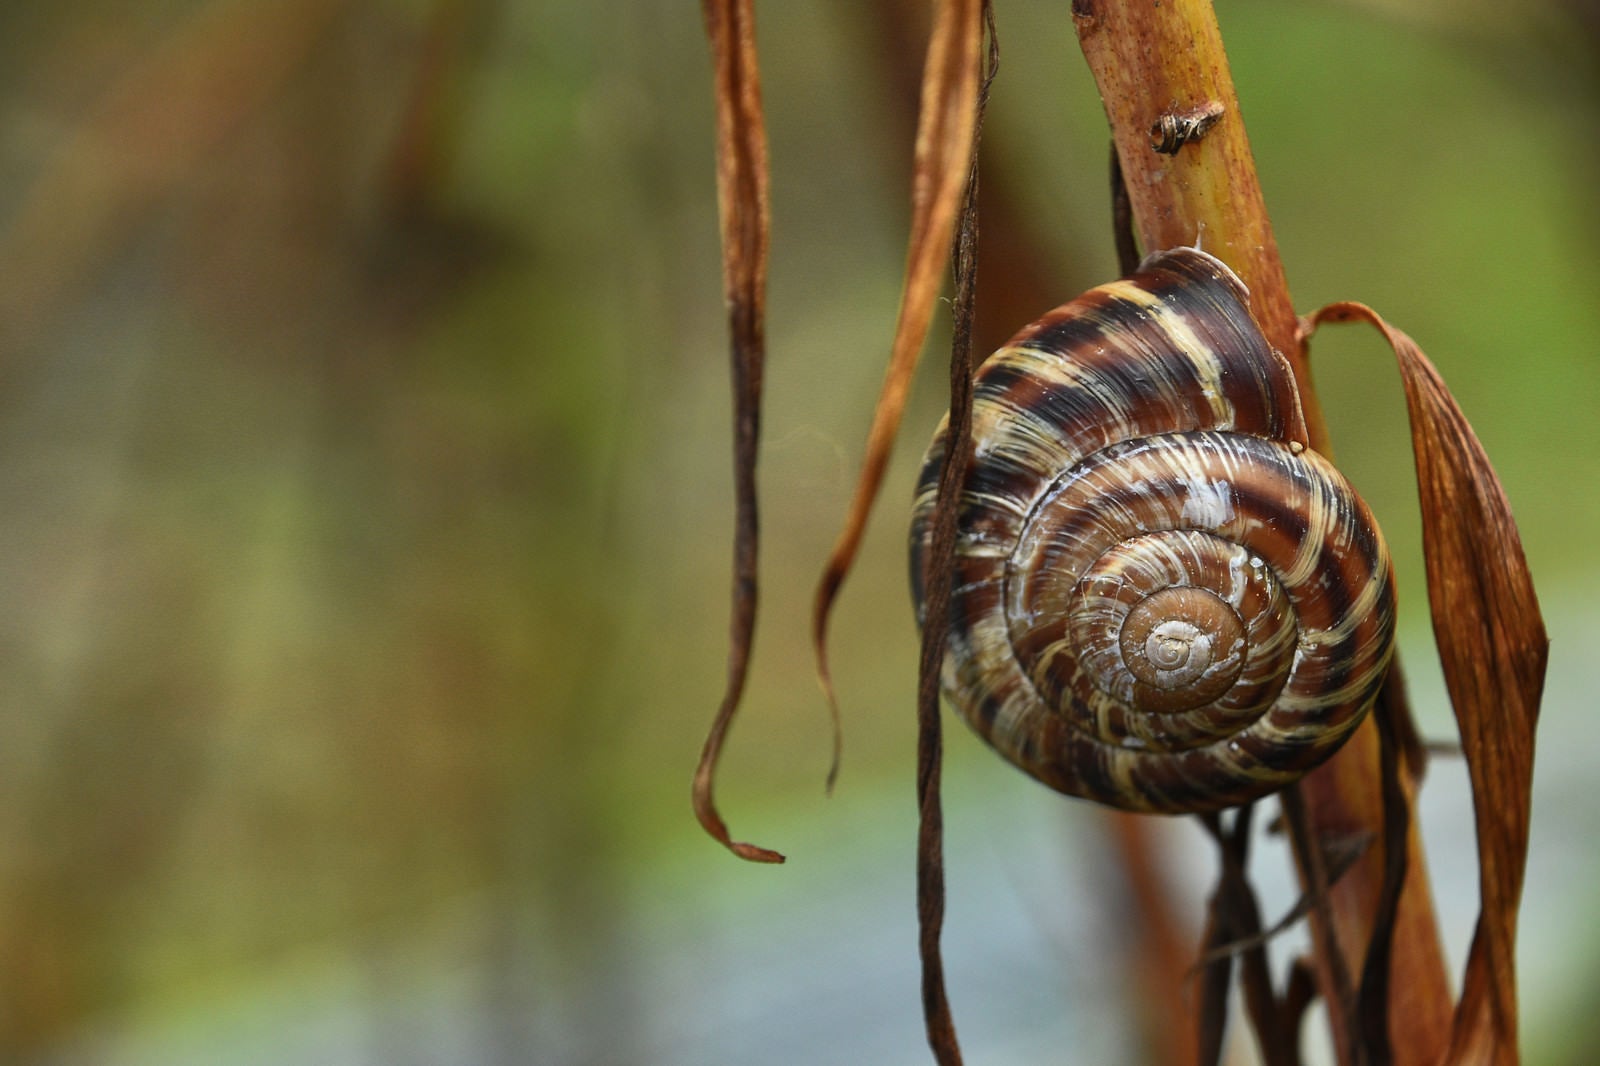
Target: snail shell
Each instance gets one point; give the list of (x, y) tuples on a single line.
[(1163, 600)]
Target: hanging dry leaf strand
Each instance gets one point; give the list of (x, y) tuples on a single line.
[(938, 1022), (943, 152), (1493, 647), (743, 213)]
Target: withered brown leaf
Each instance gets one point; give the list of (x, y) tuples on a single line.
[(745, 220), (1493, 647), (943, 152)]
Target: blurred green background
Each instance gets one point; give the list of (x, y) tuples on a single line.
[(365, 510)]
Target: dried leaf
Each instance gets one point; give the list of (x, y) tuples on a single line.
[(744, 216), (943, 151), (1493, 646)]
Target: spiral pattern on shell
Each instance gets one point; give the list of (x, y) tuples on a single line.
[(1162, 601)]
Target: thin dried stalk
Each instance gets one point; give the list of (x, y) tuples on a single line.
[(745, 220), (1373, 993), (1234, 928), (939, 581)]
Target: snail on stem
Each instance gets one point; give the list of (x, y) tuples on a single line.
[(1164, 600)]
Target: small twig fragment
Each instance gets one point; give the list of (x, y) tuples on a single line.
[(1339, 856)]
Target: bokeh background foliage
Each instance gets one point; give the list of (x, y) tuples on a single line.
[(366, 510)]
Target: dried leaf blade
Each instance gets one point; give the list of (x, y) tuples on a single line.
[(1493, 646), (943, 151), (744, 216)]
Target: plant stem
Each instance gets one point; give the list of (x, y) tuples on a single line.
[(1166, 59)]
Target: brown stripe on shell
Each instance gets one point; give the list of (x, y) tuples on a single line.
[(1143, 433)]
